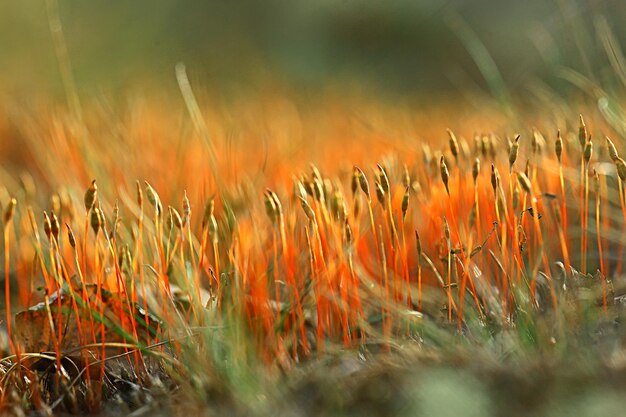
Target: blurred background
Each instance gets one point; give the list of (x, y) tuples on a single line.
[(401, 47)]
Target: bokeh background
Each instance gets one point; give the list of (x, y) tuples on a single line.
[(401, 47)]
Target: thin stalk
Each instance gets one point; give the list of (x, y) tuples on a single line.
[(586, 225), (583, 211), (600, 252), (7, 287), (563, 225), (620, 186)]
